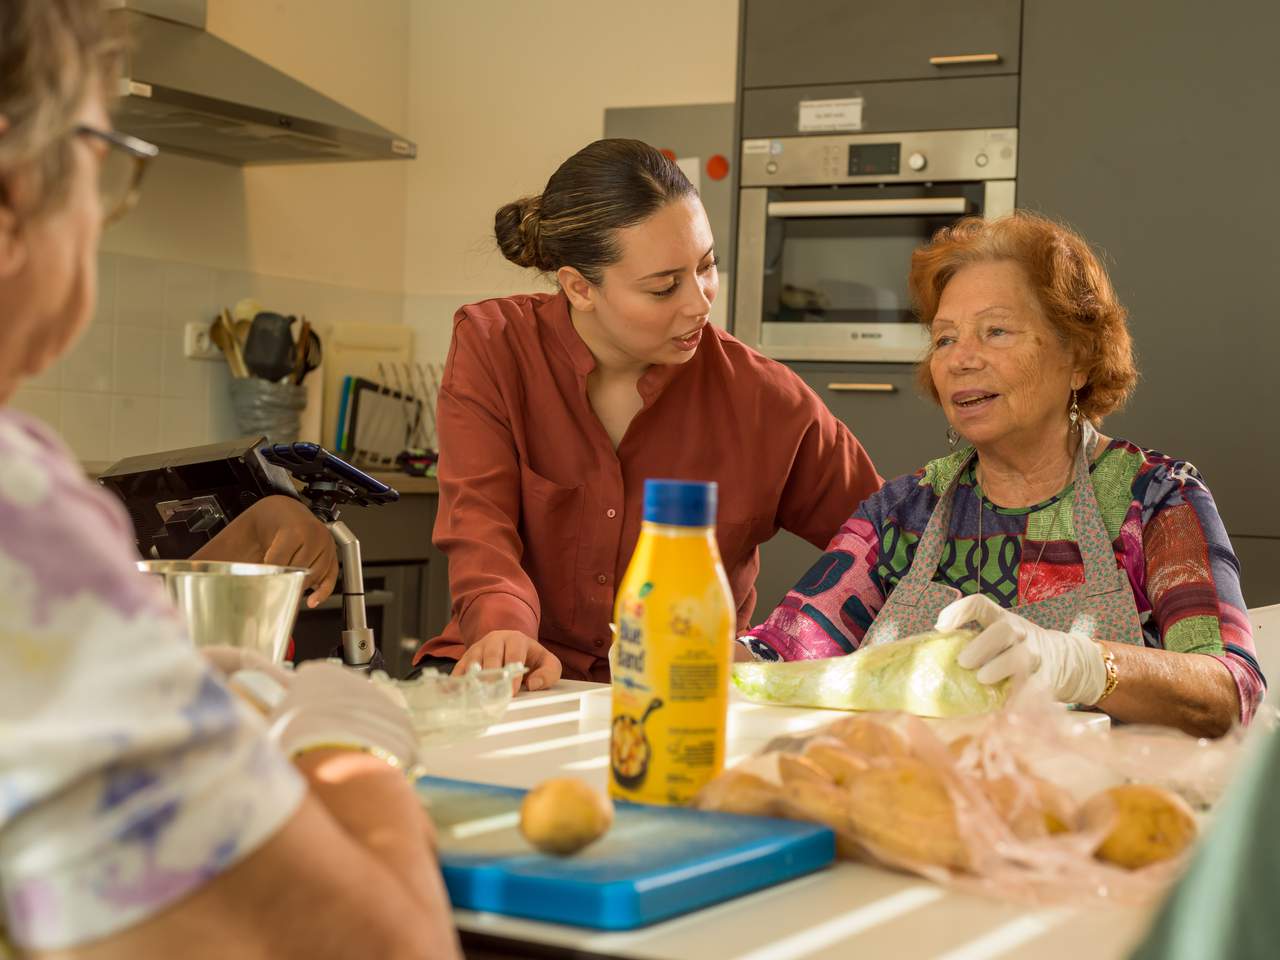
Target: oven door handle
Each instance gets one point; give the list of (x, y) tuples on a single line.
[(862, 388), (900, 207)]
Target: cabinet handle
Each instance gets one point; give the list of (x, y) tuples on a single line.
[(862, 388), (965, 58), (372, 598)]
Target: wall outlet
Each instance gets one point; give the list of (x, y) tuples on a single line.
[(197, 344)]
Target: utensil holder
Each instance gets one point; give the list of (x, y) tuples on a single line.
[(271, 409)]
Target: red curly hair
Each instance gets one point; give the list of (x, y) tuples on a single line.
[(1070, 283)]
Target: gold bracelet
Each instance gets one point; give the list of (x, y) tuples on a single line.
[(1113, 675)]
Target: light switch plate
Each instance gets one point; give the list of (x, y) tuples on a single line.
[(197, 344)]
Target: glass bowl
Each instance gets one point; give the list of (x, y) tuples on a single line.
[(446, 708)]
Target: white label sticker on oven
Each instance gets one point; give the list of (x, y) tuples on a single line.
[(816, 115), (691, 167), (754, 146)]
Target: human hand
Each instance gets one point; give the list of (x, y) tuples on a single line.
[(329, 705), (500, 647), (1071, 666), (284, 532)]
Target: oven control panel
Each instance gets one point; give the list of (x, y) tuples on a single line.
[(939, 155)]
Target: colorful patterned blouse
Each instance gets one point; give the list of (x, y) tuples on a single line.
[(129, 775), (1165, 529)]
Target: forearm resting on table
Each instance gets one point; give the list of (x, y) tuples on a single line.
[(311, 891), (377, 807), (1190, 691)]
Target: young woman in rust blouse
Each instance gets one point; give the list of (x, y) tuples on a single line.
[(555, 407)]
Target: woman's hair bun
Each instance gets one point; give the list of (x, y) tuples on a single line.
[(516, 226)]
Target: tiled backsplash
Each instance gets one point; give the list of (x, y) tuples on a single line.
[(431, 317), (126, 387)]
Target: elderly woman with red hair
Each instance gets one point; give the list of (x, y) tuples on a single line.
[(1097, 567)]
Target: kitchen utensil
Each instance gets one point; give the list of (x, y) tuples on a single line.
[(301, 348), (268, 353), (249, 605), (654, 863), (312, 354), (224, 338), (245, 310)]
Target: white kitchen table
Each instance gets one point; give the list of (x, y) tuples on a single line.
[(847, 911)]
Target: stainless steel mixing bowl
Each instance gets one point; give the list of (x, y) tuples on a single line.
[(250, 605)]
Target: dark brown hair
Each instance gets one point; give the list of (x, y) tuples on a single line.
[(1069, 281), (604, 187), (52, 52)]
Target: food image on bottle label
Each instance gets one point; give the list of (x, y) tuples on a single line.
[(629, 749)]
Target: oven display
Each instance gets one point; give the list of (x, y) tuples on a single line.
[(873, 158)]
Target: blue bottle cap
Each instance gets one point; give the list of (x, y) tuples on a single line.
[(680, 503)]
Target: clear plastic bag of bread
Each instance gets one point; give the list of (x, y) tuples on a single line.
[(1034, 803)]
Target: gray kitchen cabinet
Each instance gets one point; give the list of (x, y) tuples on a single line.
[(1148, 126), (795, 42), (969, 103), (1259, 570), (900, 429), (881, 404)]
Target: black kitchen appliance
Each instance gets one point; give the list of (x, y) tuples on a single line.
[(181, 499)]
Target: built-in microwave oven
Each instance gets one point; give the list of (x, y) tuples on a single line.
[(827, 225)]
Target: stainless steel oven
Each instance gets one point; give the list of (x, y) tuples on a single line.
[(827, 224)]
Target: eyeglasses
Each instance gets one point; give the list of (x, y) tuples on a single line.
[(122, 170)]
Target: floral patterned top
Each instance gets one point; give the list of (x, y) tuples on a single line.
[(129, 775), (1165, 530)]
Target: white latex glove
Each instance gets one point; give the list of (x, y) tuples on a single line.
[(1071, 666), (231, 660), (324, 704)]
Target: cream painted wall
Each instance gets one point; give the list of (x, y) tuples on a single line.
[(501, 91), (342, 224)]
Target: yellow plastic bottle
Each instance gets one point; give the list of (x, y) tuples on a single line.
[(672, 651)]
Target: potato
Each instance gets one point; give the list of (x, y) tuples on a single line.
[(564, 815), (1148, 824), (792, 768), (1047, 810), (903, 809), (840, 763), (869, 737), (736, 791)]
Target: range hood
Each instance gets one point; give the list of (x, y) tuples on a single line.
[(192, 93)]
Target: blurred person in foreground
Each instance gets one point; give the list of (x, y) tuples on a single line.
[(144, 808)]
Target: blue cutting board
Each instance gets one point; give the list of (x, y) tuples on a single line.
[(655, 862)]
